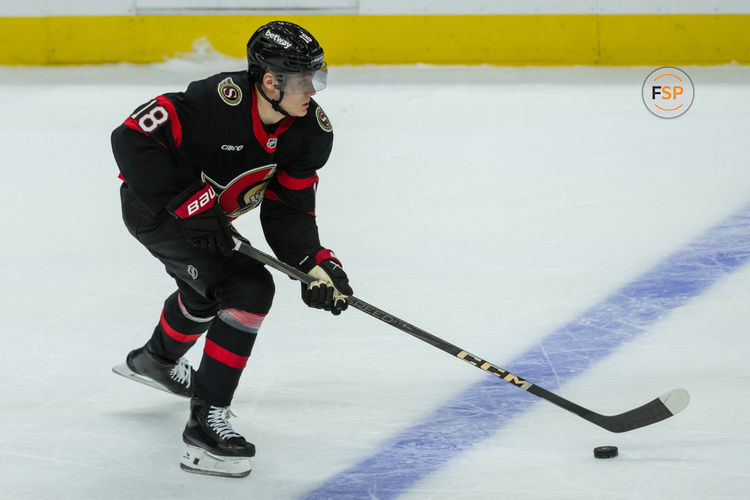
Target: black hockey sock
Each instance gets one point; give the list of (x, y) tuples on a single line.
[(177, 330), (229, 343)]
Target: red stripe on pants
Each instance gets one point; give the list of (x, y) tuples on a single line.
[(221, 355), (171, 332)]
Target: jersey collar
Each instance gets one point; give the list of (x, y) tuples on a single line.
[(266, 140)]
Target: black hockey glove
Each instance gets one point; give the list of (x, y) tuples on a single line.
[(331, 287), (202, 219)]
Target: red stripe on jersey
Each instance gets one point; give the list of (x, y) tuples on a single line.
[(173, 118), (135, 121), (290, 182), (284, 126), (171, 332), (271, 195), (132, 124), (221, 355), (268, 141)]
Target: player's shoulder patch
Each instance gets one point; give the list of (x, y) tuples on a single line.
[(323, 120), (230, 92)]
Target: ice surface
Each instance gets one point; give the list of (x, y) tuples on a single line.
[(488, 206)]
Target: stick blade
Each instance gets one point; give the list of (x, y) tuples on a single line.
[(675, 400), (661, 408)]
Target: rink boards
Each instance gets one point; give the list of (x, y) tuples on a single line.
[(508, 39)]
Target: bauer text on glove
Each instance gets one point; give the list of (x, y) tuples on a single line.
[(202, 219)]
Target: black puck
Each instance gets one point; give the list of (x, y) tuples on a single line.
[(605, 451)]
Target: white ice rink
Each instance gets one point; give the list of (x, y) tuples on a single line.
[(493, 207)]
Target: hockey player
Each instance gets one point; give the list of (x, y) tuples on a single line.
[(191, 163)]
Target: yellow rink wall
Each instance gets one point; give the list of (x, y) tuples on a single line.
[(392, 39)]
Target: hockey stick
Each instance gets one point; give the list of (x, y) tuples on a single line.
[(663, 407)]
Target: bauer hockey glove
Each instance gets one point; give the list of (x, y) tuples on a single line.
[(331, 286), (202, 220)]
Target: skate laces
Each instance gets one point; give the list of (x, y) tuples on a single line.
[(180, 372), (218, 419)]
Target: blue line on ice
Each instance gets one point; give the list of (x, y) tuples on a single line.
[(458, 424)]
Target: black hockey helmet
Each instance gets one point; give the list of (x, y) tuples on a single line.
[(285, 49)]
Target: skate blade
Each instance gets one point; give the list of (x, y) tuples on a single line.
[(123, 370), (200, 461)]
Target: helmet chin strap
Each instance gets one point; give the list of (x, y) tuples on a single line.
[(275, 104)]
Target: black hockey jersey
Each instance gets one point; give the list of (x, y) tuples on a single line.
[(212, 133)]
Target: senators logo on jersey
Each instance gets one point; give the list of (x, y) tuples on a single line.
[(244, 192), (230, 92), (323, 120)]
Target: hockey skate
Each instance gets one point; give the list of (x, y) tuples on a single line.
[(144, 367), (211, 444)]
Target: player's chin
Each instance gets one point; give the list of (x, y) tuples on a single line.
[(303, 109)]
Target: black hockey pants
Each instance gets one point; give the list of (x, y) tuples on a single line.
[(228, 295)]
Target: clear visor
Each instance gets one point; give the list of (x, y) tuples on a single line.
[(303, 83)]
